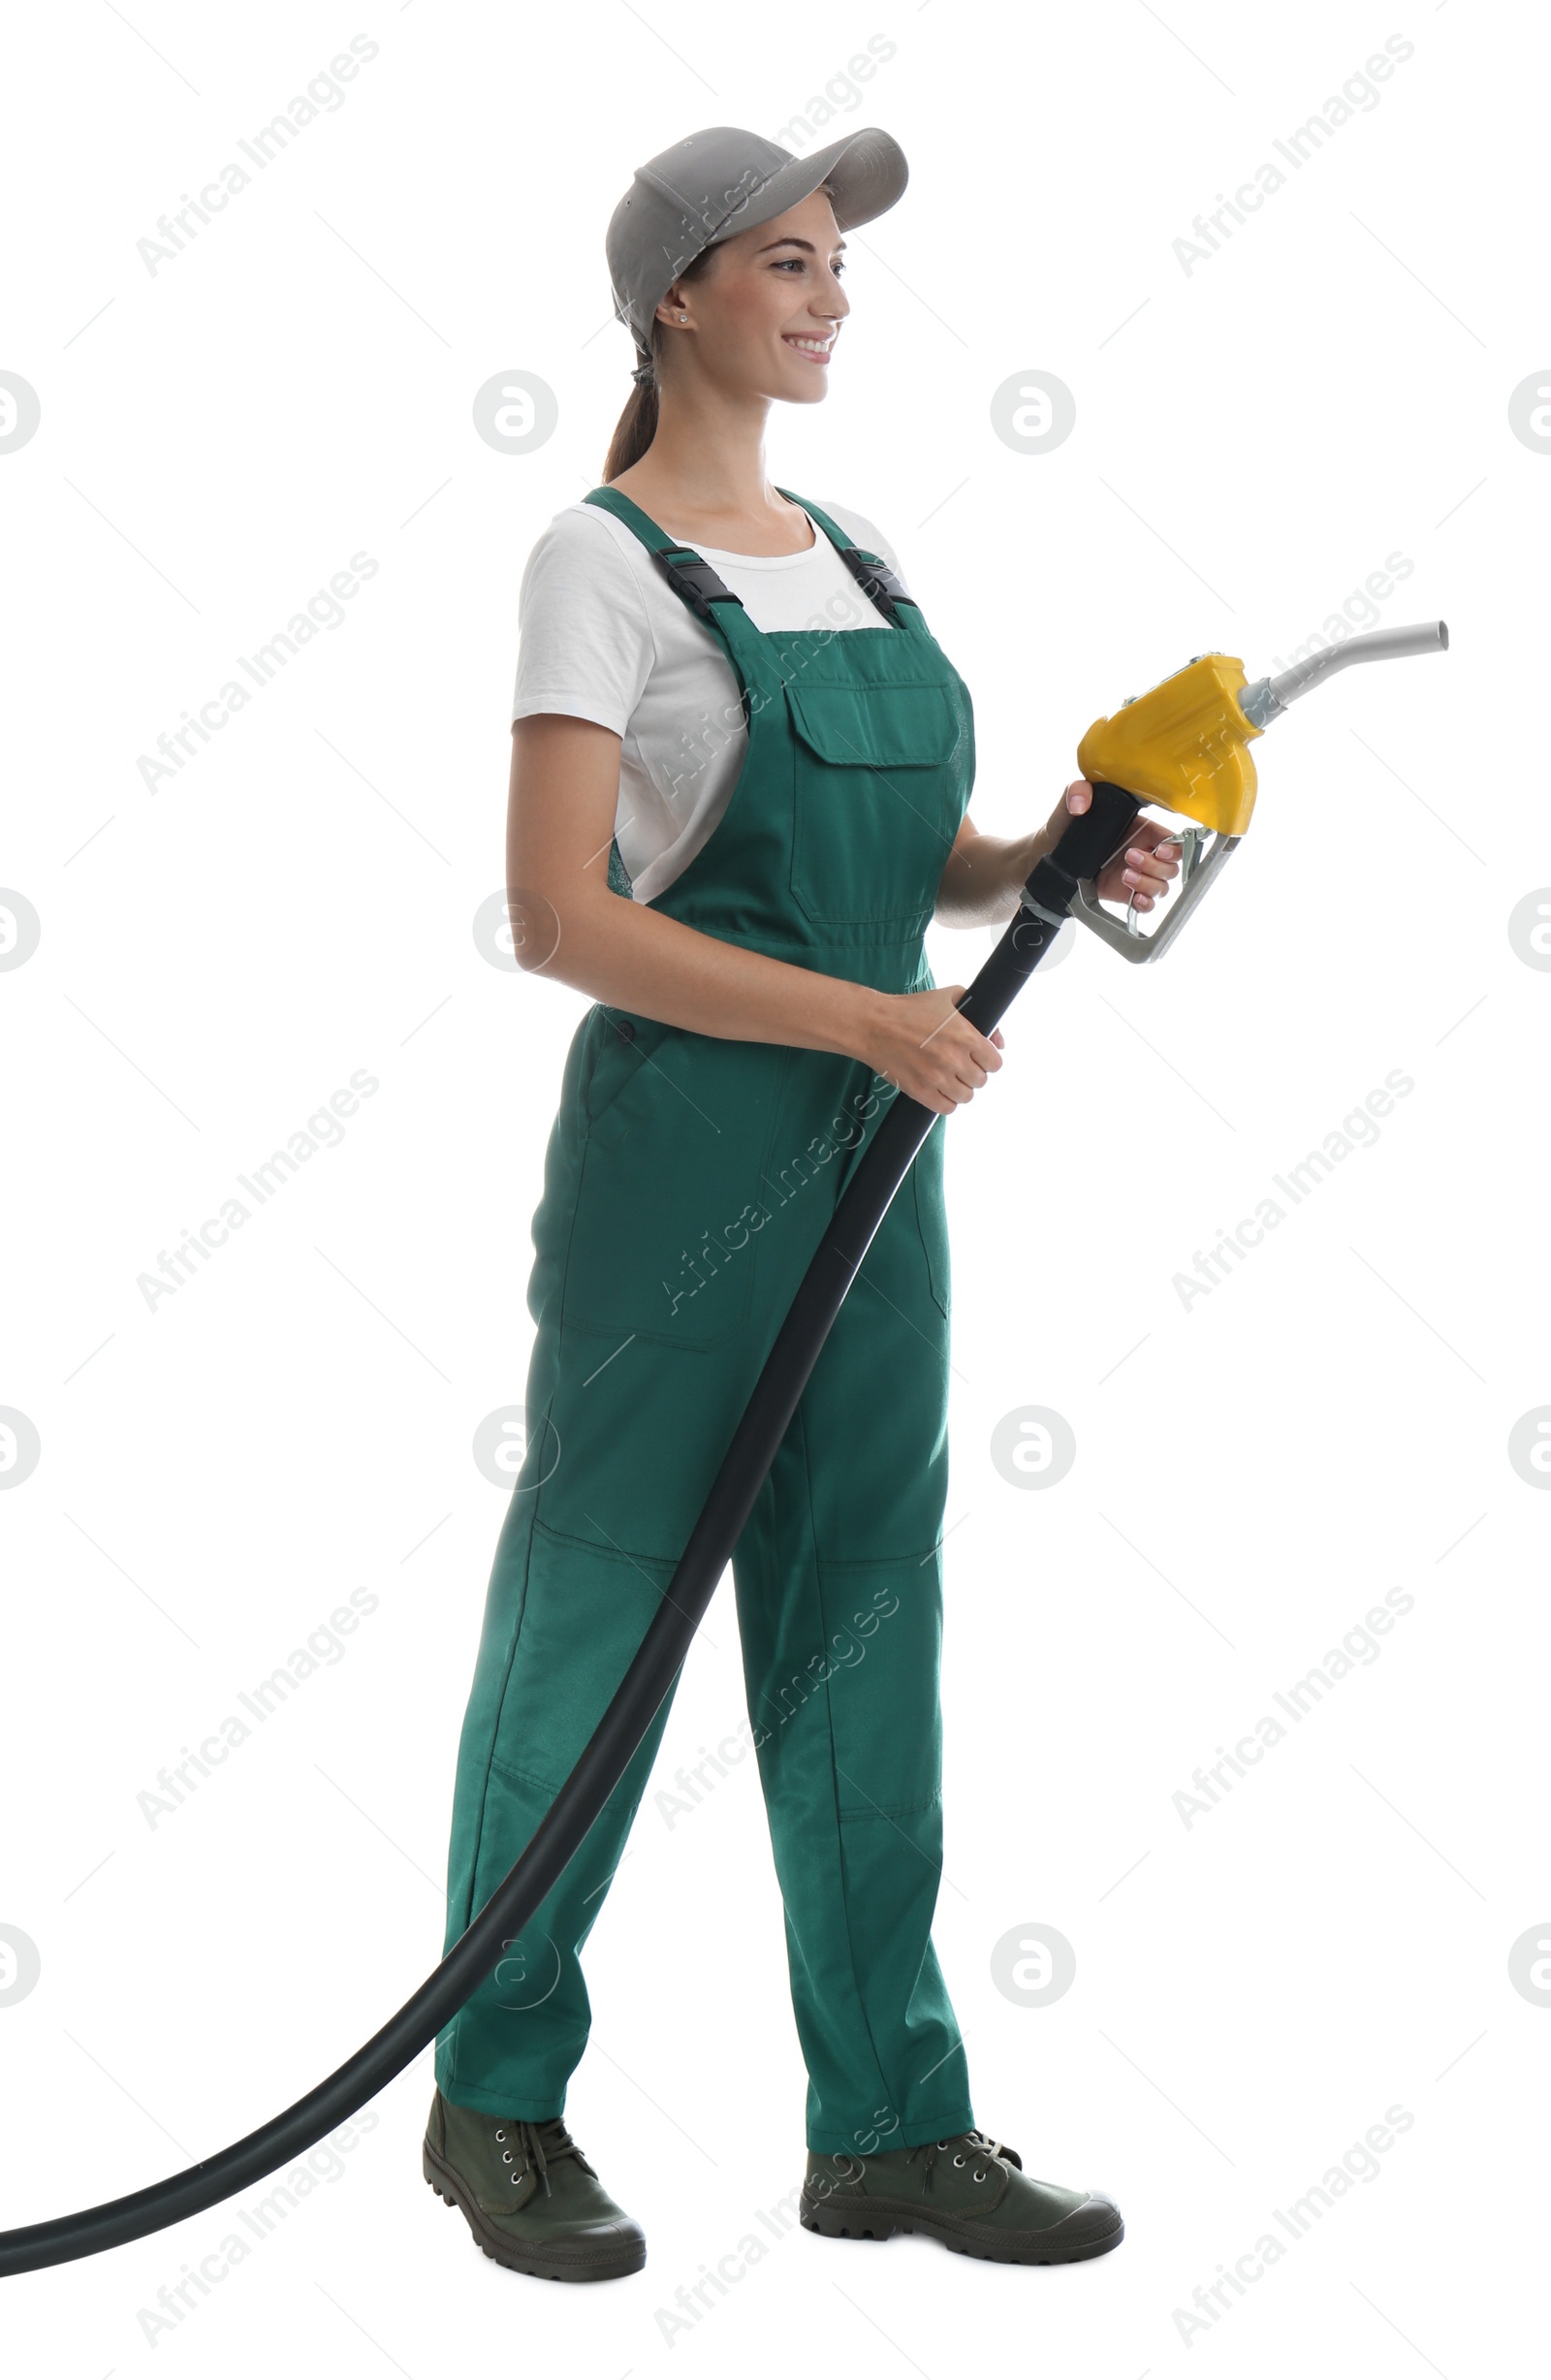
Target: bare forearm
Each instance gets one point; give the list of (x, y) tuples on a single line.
[(985, 874), (634, 957)]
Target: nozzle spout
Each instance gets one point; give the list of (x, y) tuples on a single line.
[(1268, 697)]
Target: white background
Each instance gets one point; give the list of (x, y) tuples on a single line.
[(1252, 438)]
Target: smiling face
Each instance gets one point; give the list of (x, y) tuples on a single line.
[(764, 313)]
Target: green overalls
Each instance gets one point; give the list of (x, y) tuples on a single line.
[(686, 1184)]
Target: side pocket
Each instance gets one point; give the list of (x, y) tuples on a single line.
[(617, 1058), (671, 1188)]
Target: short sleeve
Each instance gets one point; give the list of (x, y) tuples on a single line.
[(584, 642)]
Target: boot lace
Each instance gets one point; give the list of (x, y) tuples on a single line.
[(965, 2146), (534, 2147)]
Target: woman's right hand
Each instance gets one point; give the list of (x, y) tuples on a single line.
[(920, 1042)]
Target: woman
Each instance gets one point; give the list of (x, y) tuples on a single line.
[(739, 789)]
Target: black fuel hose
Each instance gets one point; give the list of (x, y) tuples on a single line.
[(1086, 842)]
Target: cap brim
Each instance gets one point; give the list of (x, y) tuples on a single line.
[(867, 172)]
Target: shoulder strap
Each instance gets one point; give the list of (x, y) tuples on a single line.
[(690, 576), (693, 579), (872, 575)]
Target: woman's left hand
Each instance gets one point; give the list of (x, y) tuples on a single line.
[(1141, 870)]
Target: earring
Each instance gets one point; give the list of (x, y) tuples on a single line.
[(683, 318)]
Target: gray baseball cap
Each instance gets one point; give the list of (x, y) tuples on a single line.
[(715, 183)]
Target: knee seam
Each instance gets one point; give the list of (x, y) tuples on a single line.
[(545, 1785), (889, 1810)]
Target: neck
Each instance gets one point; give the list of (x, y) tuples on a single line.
[(708, 455)]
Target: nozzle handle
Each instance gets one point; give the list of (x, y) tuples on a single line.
[(1089, 838), (1094, 835)]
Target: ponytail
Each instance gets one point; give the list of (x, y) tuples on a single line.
[(637, 425)]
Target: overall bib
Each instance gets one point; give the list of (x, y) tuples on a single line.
[(688, 1183)]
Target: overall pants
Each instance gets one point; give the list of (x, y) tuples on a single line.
[(688, 1183)]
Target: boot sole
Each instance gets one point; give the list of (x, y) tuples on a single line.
[(543, 2262), (883, 2218)]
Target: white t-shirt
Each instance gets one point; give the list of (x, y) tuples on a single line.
[(602, 636)]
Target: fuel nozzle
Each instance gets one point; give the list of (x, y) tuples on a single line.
[(1185, 746), (1269, 697)]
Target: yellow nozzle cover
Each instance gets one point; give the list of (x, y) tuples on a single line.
[(1184, 743)]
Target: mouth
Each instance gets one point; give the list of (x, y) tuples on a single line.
[(816, 350)]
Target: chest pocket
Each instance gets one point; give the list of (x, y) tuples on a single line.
[(880, 784)]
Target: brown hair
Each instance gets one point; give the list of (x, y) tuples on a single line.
[(637, 425)]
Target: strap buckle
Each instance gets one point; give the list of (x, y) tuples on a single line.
[(877, 580), (693, 579)]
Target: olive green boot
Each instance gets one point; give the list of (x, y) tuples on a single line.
[(529, 2196), (969, 2192)]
